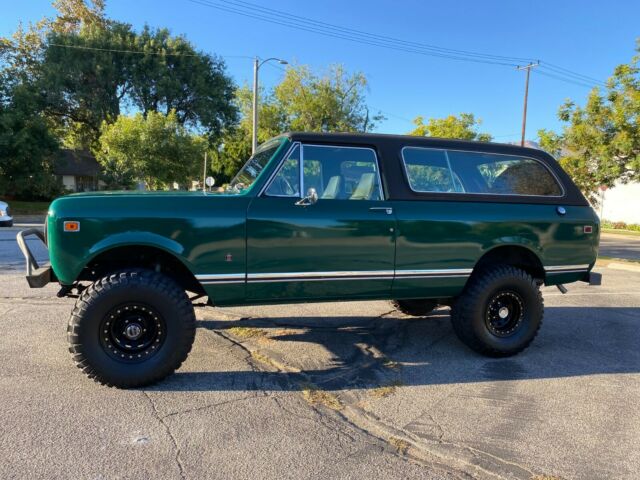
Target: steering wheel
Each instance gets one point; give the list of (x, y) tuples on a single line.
[(283, 185)]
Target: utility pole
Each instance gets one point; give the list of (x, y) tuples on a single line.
[(254, 135), (526, 96), (256, 66)]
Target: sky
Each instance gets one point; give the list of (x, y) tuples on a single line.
[(588, 37)]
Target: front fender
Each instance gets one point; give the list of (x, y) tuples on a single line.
[(69, 267)]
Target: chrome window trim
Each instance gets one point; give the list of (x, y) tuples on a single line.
[(553, 174)]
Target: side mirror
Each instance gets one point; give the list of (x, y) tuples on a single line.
[(310, 199)]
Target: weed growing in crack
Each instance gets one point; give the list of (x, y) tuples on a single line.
[(315, 396)]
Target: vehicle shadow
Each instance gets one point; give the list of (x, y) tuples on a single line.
[(367, 353)]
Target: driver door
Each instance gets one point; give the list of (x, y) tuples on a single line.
[(340, 246)]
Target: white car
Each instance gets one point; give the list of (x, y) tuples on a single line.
[(6, 220)]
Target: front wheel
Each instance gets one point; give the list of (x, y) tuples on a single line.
[(500, 311), (131, 328)]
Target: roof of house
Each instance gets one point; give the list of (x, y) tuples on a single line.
[(76, 162)]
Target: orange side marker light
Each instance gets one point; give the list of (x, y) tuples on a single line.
[(72, 226)]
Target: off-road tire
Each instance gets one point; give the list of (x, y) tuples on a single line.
[(87, 330), (473, 311), (415, 308)]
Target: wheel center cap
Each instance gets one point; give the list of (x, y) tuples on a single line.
[(503, 312), (133, 331)]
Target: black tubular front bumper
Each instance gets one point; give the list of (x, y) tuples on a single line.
[(37, 276)]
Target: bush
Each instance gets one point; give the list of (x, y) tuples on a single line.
[(634, 227)]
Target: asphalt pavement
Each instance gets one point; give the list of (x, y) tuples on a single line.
[(334, 390)]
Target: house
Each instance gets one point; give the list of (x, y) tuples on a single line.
[(77, 169), (621, 203)]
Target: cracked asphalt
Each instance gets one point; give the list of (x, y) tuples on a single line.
[(334, 390)]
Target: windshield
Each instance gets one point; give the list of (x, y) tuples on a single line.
[(254, 166)]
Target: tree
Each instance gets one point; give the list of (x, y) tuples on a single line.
[(333, 101), (26, 148), (91, 67), (600, 142), (463, 126), (157, 149)]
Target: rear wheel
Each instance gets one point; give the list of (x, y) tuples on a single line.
[(415, 307), (131, 328), (500, 311)]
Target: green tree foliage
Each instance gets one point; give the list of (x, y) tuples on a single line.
[(333, 101), (463, 126), (157, 149), (600, 142), (91, 68), (26, 148)]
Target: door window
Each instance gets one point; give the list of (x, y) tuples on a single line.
[(336, 173)]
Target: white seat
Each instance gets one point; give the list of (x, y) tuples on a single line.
[(333, 188), (365, 187)]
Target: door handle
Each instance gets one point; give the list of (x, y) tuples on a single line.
[(387, 210)]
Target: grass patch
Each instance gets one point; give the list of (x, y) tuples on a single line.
[(401, 446), (263, 359), (315, 396), (247, 332), (28, 208), (631, 233), (385, 390), (604, 261)]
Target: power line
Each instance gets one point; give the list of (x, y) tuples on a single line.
[(279, 17), (349, 36), (279, 13), (566, 71), (567, 80)]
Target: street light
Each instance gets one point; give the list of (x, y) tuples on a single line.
[(256, 66)]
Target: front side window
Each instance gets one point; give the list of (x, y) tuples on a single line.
[(287, 182), (336, 173)]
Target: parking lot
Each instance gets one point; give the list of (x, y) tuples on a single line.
[(335, 390)]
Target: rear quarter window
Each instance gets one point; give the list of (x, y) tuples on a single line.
[(495, 174), (453, 171)]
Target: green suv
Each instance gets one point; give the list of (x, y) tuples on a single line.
[(315, 217)]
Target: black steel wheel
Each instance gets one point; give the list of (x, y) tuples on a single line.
[(504, 313), (499, 312), (132, 332), (131, 328)]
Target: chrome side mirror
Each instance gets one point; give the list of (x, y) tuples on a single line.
[(310, 199)]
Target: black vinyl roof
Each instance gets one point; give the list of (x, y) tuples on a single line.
[(389, 148), (384, 139)]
